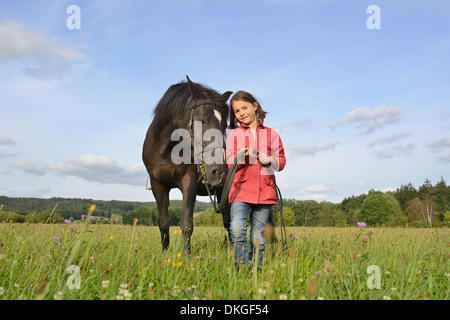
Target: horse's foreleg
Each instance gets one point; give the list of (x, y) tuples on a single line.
[(161, 195), (187, 217)]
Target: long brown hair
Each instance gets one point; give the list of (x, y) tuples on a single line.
[(245, 96)]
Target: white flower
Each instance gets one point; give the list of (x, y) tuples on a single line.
[(105, 284), (58, 296), (283, 297), (386, 298), (2, 291), (128, 295)]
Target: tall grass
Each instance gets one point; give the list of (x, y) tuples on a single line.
[(126, 262)]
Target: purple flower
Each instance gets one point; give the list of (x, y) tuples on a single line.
[(67, 221), (362, 224), (57, 239), (318, 272), (91, 218), (83, 216)]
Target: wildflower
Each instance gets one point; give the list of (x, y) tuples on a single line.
[(83, 216), (175, 232), (128, 295), (214, 258), (169, 260), (73, 230), (151, 284), (362, 224), (58, 296), (91, 218), (179, 255), (105, 284), (67, 221), (111, 237), (92, 208), (318, 272), (2, 291), (179, 264), (57, 239), (386, 298), (123, 290), (283, 297)]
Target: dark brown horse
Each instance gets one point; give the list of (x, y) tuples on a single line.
[(185, 139)]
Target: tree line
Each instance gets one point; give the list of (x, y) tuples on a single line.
[(426, 206)]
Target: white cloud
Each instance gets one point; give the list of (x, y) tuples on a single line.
[(440, 144), (5, 141), (46, 57), (36, 168), (317, 192), (370, 119), (102, 169), (395, 151), (311, 150), (389, 138), (440, 147)]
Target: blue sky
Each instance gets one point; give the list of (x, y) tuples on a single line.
[(357, 108)]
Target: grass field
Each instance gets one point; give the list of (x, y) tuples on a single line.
[(86, 261)]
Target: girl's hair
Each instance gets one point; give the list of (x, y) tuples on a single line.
[(245, 96)]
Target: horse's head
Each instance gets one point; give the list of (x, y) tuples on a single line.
[(209, 112)]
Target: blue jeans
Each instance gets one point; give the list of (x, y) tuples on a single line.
[(259, 216)]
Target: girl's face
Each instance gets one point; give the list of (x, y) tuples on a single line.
[(245, 113)]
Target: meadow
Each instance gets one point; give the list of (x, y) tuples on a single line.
[(83, 261)]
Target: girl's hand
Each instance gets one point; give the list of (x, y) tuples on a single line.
[(247, 151), (265, 159)]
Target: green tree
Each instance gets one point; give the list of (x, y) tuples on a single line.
[(405, 194), (382, 209), (288, 217)]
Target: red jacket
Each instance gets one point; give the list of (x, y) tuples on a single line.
[(252, 182)]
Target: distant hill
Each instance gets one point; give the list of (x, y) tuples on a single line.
[(73, 207)]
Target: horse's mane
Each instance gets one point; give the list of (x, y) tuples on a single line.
[(172, 106)]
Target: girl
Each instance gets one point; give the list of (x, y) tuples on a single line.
[(252, 191)]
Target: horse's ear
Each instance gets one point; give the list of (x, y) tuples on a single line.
[(195, 90), (226, 95)]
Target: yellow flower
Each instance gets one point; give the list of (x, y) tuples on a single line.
[(111, 237), (179, 264), (179, 255), (68, 230), (169, 260), (175, 232), (92, 208)]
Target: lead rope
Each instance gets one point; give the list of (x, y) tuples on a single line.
[(229, 181)]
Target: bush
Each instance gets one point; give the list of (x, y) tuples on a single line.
[(7, 216), (382, 209), (44, 217)]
